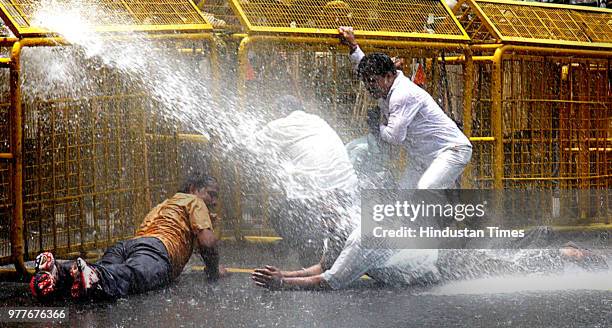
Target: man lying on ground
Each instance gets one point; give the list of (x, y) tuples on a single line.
[(422, 266), (151, 260)]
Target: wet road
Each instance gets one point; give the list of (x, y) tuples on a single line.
[(235, 302)]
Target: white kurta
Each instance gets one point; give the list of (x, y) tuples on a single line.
[(415, 120), (311, 153)]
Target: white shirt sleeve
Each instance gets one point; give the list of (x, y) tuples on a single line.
[(264, 140), (354, 261), (402, 110), (356, 57)]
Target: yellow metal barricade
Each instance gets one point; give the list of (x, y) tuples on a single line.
[(541, 102), (79, 171), (291, 47), (6, 195)]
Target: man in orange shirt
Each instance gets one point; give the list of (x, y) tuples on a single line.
[(152, 259)]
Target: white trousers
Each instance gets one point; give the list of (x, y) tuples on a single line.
[(441, 173)]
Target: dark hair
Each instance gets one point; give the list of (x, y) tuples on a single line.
[(197, 180), (375, 64), (287, 104)]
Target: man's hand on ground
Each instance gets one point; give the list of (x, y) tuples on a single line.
[(347, 37), (269, 277)]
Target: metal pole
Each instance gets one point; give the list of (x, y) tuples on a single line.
[(17, 241), (362, 42), (468, 89), (215, 64), (243, 62), (496, 119)]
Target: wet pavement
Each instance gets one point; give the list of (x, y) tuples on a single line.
[(236, 302)]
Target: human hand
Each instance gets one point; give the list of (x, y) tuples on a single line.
[(268, 277), (221, 273), (347, 37)]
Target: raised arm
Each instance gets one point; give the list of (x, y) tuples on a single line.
[(347, 37)]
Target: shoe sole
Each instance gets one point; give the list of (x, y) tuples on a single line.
[(81, 265), (49, 263), (79, 279)]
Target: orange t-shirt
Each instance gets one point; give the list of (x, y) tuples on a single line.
[(176, 223)]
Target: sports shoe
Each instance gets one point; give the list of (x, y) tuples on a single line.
[(85, 278), (45, 279), (42, 285), (45, 262)]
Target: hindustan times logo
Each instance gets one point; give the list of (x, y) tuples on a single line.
[(413, 211)]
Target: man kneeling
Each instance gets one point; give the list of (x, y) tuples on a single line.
[(152, 259)]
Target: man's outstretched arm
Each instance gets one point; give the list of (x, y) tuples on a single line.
[(272, 278), (304, 272), (347, 37)]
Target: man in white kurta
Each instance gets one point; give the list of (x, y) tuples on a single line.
[(312, 170), (437, 149), (313, 156), (315, 171)]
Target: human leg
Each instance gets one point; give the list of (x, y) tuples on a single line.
[(128, 267), (115, 254), (150, 263), (51, 278), (444, 170), (133, 266), (454, 264)]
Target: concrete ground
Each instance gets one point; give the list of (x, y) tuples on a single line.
[(574, 301)]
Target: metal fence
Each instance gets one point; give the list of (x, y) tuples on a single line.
[(93, 163), (539, 116), (542, 110), (291, 47)]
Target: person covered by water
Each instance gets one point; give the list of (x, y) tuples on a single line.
[(405, 267), (438, 151), (152, 259), (313, 173), (340, 266)]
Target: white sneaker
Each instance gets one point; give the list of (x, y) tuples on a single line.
[(85, 278)]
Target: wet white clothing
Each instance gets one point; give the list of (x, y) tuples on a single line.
[(441, 173), (415, 121), (312, 155), (389, 266)]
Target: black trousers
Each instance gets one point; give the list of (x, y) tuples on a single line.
[(134, 266), (129, 267)]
